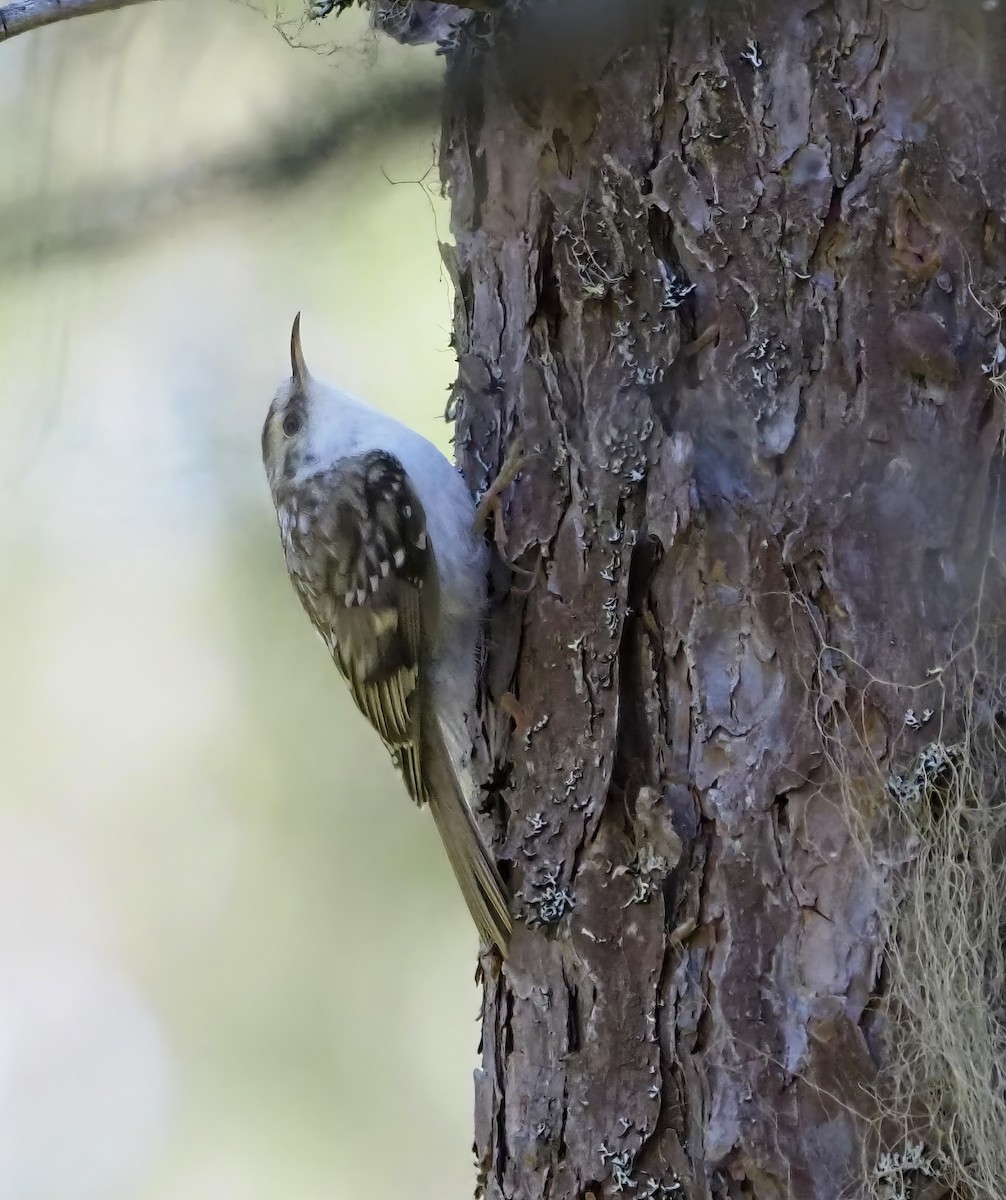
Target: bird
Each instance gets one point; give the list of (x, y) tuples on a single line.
[(380, 537)]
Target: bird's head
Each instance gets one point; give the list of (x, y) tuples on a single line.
[(309, 426), (285, 434)]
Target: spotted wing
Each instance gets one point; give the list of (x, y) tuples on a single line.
[(372, 533)]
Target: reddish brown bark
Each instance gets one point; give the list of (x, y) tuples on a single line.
[(731, 271)]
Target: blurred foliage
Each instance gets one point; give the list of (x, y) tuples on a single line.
[(232, 960)]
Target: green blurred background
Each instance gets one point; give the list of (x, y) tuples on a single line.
[(232, 961)]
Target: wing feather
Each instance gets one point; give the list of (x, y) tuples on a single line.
[(359, 555), (360, 566)]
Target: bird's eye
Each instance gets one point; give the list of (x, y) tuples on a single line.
[(291, 424)]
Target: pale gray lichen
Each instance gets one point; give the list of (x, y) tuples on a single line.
[(620, 1164), (897, 1174), (936, 760), (752, 54), (648, 871), (914, 721), (549, 899)]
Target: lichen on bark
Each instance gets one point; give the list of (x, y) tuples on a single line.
[(733, 273)]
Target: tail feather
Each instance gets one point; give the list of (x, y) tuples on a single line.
[(474, 869)]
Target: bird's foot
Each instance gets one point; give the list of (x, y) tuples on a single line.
[(515, 462)]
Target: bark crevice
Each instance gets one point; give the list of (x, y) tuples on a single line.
[(717, 277)]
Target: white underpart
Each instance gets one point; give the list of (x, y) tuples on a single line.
[(339, 426)]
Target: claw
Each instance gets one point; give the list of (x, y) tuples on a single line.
[(511, 706), (515, 462), (533, 573)]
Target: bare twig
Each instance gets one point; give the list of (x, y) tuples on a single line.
[(289, 155), (22, 15)]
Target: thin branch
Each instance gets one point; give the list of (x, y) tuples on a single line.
[(22, 15), (35, 230)]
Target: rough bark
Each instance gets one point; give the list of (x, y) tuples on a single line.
[(20, 16), (731, 271), (734, 274)]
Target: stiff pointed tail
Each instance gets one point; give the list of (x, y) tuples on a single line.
[(474, 869)]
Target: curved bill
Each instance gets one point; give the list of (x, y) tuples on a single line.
[(298, 367)]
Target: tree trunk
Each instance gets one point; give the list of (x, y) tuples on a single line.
[(733, 273)]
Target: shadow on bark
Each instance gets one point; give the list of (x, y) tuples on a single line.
[(737, 282)]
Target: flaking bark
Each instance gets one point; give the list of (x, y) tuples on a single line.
[(734, 273), (731, 271)]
